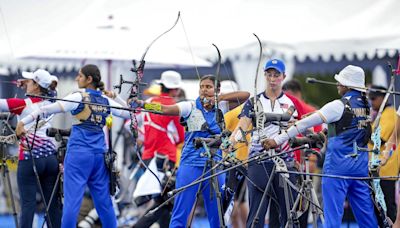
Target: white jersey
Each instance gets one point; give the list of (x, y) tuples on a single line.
[(271, 129)]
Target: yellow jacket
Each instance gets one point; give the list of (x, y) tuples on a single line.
[(231, 121), (391, 168)]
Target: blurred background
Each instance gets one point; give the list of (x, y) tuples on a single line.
[(315, 38)]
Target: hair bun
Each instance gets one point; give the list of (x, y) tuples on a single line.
[(101, 85)]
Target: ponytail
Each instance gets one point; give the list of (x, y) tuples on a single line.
[(51, 91), (100, 86), (53, 85)]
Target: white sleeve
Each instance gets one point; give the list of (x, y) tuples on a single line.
[(119, 100), (329, 113), (140, 118), (185, 108), (69, 106), (224, 106), (118, 112), (57, 107), (398, 111), (43, 111), (4, 105), (300, 126), (332, 111)]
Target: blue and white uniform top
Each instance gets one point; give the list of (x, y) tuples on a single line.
[(88, 132), (197, 118), (280, 106), (337, 160), (87, 136)]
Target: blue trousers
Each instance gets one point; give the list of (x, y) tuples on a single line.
[(47, 168), (334, 192), (86, 168), (185, 200)]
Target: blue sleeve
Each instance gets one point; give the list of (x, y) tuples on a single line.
[(247, 110)]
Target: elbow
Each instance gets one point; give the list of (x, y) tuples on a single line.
[(164, 109), (169, 110), (246, 96)]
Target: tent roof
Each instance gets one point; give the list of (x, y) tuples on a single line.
[(309, 27)]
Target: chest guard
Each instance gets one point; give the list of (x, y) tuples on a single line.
[(344, 123), (200, 120), (196, 121), (352, 118), (91, 114)]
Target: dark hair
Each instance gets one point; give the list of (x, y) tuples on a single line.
[(94, 72), (212, 78), (373, 93), (47, 91), (292, 85), (164, 89), (181, 95)]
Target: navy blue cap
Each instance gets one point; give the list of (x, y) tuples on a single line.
[(275, 64)]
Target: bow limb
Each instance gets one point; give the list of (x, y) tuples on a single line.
[(142, 61), (135, 90), (140, 70), (218, 116), (255, 107)]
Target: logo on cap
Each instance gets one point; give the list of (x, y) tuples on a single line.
[(275, 64)]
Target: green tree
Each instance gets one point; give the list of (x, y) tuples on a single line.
[(320, 94)]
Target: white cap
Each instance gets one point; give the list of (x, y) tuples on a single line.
[(228, 86), (41, 77), (54, 78), (352, 76), (171, 79)]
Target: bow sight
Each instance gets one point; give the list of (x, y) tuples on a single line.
[(135, 89)]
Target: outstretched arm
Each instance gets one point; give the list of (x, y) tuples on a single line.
[(114, 96), (57, 107), (235, 98), (45, 110), (13, 105), (298, 128), (330, 113), (168, 110)]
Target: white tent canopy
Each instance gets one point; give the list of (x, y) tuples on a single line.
[(107, 42), (228, 23), (80, 29), (288, 28)]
